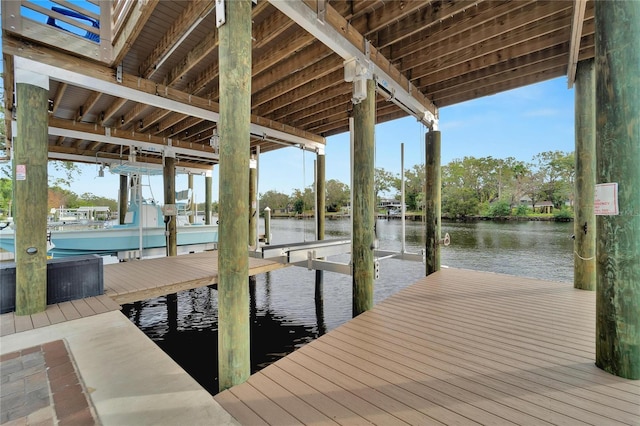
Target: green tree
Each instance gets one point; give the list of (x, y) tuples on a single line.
[(459, 202), (337, 195), (274, 200), (303, 200), (384, 181), (557, 173), (414, 187)]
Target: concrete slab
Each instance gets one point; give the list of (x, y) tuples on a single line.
[(129, 379)]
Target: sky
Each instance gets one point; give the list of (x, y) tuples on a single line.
[(519, 123)]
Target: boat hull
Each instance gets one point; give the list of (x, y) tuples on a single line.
[(111, 241)]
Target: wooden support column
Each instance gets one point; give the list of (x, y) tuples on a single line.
[(584, 225), (123, 198), (364, 205), (432, 175), (30, 192), (253, 204), (321, 191), (617, 161), (208, 186), (194, 208), (234, 53), (169, 178)]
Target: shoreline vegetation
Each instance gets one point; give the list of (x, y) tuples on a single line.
[(419, 216)]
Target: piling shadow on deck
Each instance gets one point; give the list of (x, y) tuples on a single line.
[(458, 347)]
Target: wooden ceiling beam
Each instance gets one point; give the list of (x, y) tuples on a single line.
[(301, 95), (485, 39), (135, 22), (298, 79), (493, 52), (62, 68), (62, 88), (532, 63), (417, 17), (519, 80), (349, 43), (453, 29), (579, 7), (191, 16)]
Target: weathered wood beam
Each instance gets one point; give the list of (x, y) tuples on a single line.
[(584, 228), (234, 366), (494, 61), (451, 31), (62, 88), (30, 193), (485, 39), (417, 17), (501, 86), (577, 21), (349, 43), (135, 22), (433, 201), (191, 16), (62, 68)]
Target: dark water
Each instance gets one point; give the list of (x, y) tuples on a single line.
[(284, 315)]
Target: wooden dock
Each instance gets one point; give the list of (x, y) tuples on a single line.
[(458, 347), (56, 313), (133, 281)]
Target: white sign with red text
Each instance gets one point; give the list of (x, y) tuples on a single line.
[(606, 199)]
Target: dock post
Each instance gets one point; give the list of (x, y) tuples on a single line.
[(191, 200), (234, 54), (584, 224), (169, 180), (30, 192), (363, 208), (432, 207), (267, 225), (617, 154), (320, 218), (253, 204), (208, 185), (123, 197)]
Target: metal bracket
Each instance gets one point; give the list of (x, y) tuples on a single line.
[(321, 11), (446, 240), (119, 73), (220, 15)]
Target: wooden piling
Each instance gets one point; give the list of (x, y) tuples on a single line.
[(123, 198), (169, 180), (30, 195), (234, 53), (584, 246), (253, 205), (617, 153), (364, 205), (320, 219), (194, 208), (208, 185), (432, 207)]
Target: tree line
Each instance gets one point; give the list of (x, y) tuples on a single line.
[(471, 186)]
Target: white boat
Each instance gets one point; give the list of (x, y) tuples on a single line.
[(144, 231)]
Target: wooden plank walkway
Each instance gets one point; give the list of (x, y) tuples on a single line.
[(133, 281), (458, 347), (57, 313)]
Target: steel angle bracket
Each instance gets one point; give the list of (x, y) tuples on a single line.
[(220, 14)]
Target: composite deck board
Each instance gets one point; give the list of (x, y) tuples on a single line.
[(457, 347), (137, 280), (56, 313)]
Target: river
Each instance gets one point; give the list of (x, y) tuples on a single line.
[(283, 311)]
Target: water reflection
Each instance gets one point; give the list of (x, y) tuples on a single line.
[(285, 312)]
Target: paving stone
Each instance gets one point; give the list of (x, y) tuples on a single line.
[(11, 402), (12, 387), (27, 351), (80, 418), (42, 416), (60, 370), (35, 359), (36, 381), (11, 366), (22, 421), (11, 355)]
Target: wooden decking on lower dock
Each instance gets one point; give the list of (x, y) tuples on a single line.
[(458, 347), (129, 282), (54, 314)]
